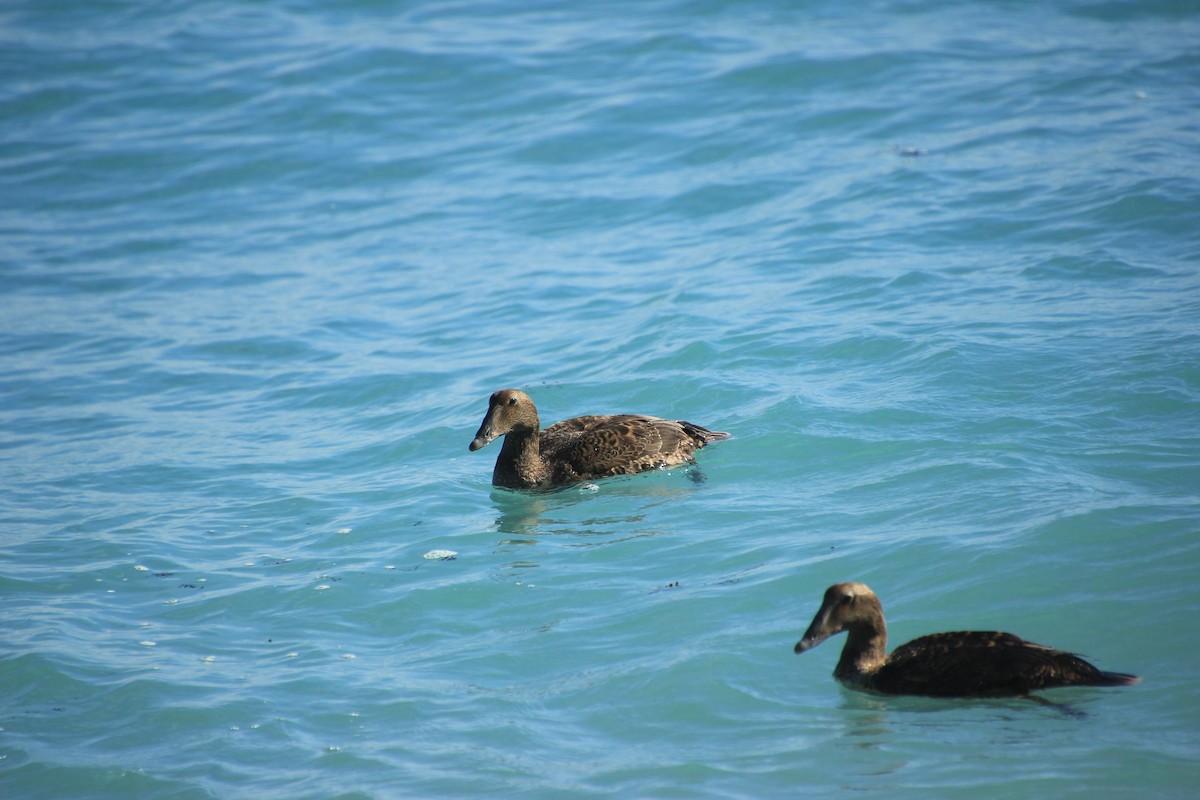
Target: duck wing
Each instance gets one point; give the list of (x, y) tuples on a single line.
[(619, 444), (982, 664)]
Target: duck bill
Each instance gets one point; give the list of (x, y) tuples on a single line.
[(483, 438), (485, 435), (817, 632), (810, 641)]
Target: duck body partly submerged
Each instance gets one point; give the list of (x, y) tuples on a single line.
[(954, 664), (581, 448)]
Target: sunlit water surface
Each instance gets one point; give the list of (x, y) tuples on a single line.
[(934, 265)]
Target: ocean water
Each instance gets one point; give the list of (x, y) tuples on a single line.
[(935, 266)]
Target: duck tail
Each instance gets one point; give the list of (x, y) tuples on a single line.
[(703, 435), (1115, 679)]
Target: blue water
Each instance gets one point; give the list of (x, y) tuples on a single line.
[(936, 267)]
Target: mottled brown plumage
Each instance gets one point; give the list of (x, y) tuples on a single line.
[(957, 664), (581, 448)]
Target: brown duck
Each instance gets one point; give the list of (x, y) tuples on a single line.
[(958, 664), (581, 448)]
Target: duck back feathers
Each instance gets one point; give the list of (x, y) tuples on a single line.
[(982, 664)]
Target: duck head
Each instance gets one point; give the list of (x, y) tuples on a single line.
[(847, 606), (508, 410)]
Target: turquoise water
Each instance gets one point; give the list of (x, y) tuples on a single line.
[(936, 267)]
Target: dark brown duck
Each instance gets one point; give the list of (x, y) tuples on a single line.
[(581, 448), (957, 664)]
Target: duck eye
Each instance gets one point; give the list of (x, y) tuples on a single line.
[(847, 599), (512, 401)]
